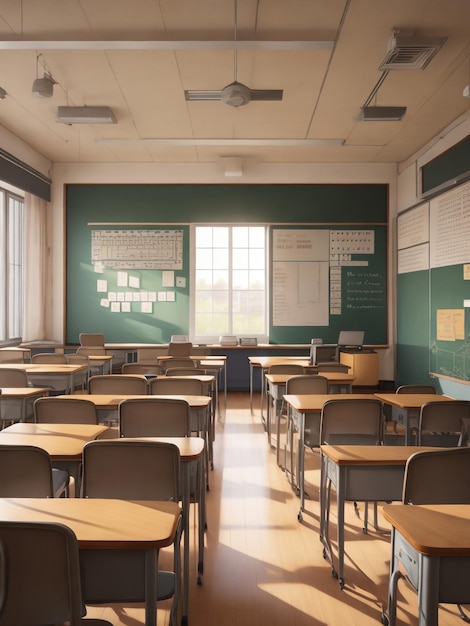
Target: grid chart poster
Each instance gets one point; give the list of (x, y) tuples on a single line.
[(137, 249), (450, 283)]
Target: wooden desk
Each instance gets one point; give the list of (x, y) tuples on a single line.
[(275, 385), (63, 442), (410, 405), (359, 473), (59, 376), (102, 524), (298, 406), (264, 363), (21, 396), (432, 544), (191, 452), (198, 404), (112, 401)]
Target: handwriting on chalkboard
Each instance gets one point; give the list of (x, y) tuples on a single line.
[(364, 290)]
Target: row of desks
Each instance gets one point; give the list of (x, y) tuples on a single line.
[(64, 443), (431, 543)]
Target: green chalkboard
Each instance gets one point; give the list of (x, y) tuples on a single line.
[(433, 320), (174, 207), (413, 329), (450, 357)]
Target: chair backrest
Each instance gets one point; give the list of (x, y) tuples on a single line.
[(185, 371), (10, 377), (150, 355), (179, 348), (78, 359), (306, 383), (132, 470), (339, 368), (11, 356), (41, 568), (54, 410), (441, 423), (145, 369), (177, 362), (154, 417), (285, 368), (26, 472), (118, 383), (91, 351), (49, 357), (91, 339), (351, 421), (437, 477), (171, 386), (416, 389)]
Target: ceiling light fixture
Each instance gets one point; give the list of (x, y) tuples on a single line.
[(382, 114), (221, 142), (85, 115), (43, 87)]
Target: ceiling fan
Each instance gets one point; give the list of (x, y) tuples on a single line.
[(235, 94)]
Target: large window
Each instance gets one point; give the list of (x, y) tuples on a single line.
[(11, 265), (230, 281)]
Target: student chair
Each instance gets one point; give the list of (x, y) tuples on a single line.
[(54, 410), (179, 348), (49, 357), (10, 409), (442, 423), (130, 470), (352, 421), (26, 472), (40, 576), (149, 370)]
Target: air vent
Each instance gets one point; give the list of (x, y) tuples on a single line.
[(411, 53)]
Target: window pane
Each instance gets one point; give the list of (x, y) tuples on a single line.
[(240, 259), (230, 280)]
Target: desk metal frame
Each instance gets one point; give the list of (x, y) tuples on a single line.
[(298, 406), (431, 543), (359, 473)]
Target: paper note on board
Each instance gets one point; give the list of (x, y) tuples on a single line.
[(450, 324)]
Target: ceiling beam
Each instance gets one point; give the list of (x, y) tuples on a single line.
[(220, 142)]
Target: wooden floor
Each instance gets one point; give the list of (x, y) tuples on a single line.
[(263, 567)]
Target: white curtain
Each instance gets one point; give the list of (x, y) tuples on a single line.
[(35, 264)]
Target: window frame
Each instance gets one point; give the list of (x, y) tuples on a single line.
[(211, 339), (12, 235)]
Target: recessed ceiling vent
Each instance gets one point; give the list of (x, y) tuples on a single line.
[(411, 53)]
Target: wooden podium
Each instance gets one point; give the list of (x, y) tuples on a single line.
[(363, 365)]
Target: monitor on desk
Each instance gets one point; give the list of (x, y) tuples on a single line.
[(320, 353), (351, 339)]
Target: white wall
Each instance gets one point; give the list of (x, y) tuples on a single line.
[(207, 173)]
